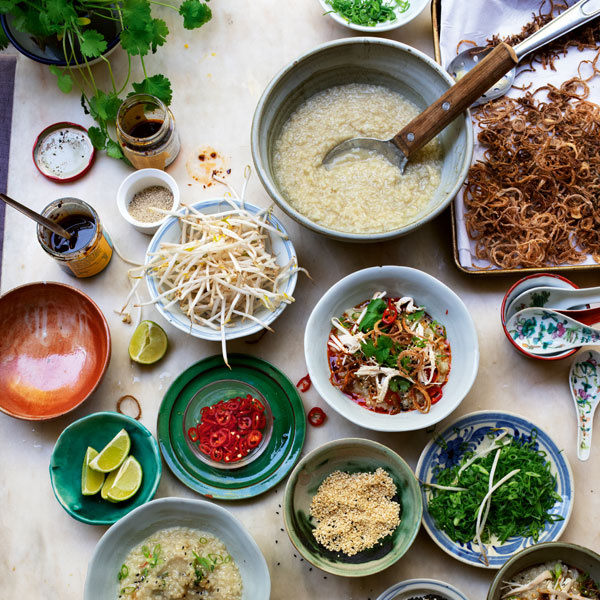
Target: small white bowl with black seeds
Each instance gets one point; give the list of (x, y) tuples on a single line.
[(143, 195)]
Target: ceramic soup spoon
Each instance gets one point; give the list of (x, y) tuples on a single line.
[(542, 331), (584, 381), (553, 297)]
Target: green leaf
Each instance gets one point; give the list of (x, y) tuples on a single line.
[(368, 348), (59, 12), (194, 13), (157, 85), (92, 43), (3, 40), (63, 79), (415, 316), (399, 384), (159, 33), (7, 6), (138, 29), (374, 313), (104, 107), (98, 138)]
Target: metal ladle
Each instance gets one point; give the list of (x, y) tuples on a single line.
[(478, 77)]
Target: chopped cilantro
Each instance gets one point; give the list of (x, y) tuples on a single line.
[(374, 313)]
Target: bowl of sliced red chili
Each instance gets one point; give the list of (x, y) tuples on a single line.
[(228, 424)]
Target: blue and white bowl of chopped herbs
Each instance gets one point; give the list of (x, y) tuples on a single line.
[(373, 15), (529, 477)]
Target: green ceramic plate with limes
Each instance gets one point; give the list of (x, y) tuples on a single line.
[(275, 461), (138, 457)]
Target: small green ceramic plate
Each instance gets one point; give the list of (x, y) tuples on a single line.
[(352, 455), (275, 462), (97, 430)]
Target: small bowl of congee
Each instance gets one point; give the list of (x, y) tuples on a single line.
[(549, 571), (177, 549), (357, 87)]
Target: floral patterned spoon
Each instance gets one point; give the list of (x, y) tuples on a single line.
[(543, 331), (584, 381)]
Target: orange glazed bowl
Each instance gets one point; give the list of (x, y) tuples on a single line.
[(54, 350)]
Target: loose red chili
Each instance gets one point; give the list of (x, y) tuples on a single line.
[(218, 438), (435, 393), (216, 454), (316, 416), (245, 422), (304, 384), (193, 434)]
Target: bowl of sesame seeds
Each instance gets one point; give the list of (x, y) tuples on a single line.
[(352, 507), (146, 197)]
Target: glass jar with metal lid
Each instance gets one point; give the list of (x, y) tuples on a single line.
[(89, 250), (146, 132)]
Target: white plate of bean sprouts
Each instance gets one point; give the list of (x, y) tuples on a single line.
[(221, 269)]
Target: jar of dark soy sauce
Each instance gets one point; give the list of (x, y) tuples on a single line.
[(146, 132), (89, 250)]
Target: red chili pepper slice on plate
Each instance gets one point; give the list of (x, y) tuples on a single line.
[(244, 422), (205, 449), (304, 384), (254, 438), (219, 437), (316, 416), (193, 434), (216, 454), (257, 405)]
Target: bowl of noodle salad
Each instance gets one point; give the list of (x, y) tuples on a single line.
[(391, 349), (220, 269)]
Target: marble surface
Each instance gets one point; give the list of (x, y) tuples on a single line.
[(218, 74)]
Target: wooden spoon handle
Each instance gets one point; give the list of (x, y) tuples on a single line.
[(456, 100)]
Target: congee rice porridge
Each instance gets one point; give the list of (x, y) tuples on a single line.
[(363, 195), (180, 564)]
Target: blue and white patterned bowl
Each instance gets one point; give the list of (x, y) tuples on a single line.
[(420, 587), (468, 432), (282, 248)]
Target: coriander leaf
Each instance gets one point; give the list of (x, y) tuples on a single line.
[(159, 33), (415, 316), (97, 137), (194, 13), (7, 6), (157, 85), (59, 11), (374, 313), (137, 33), (63, 79), (368, 348), (92, 43), (402, 384), (3, 40)]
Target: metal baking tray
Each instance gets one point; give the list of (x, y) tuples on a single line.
[(436, 11)]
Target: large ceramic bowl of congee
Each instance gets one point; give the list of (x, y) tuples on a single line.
[(357, 87)]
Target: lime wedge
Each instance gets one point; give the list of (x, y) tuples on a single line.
[(110, 479), (127, 481), (113, 454), (91, 481), (148, 343)]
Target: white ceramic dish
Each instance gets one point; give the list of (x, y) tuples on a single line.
[(135, 183), (101, 581), (420, 587), (282, 248), (414, 9), (440, 302)]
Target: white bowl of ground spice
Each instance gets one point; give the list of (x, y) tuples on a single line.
[(143, 195)]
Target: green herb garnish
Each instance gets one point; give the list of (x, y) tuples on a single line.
[(519, 507), (123, 572), (368, 12), (374, 313)]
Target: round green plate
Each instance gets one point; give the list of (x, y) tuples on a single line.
[(289, 428), (97, 430)]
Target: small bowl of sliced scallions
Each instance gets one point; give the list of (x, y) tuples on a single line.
[(373, 15)]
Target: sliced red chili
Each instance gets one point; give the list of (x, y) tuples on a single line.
[(390, 314), (262, 422), (304, 384), (222, 416), (435, 393), (244, 449), (193, 434), (257, 405), (245, 422), (205, 449), (316, 416), (245, 406), (216, 454), (233, 405), (254, 438), (218, 438)]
